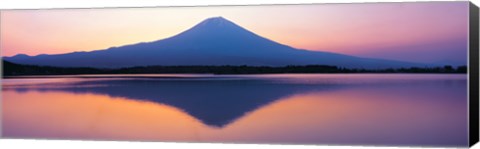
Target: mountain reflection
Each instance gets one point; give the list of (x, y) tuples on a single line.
[(357, 109), (214, 102)]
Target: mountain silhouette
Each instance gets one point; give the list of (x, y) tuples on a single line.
[(214, 41)]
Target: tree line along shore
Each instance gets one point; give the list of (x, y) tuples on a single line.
[(13, 69)]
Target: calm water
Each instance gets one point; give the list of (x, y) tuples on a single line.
[(353, 109)]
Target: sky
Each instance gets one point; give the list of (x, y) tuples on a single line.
[(427, 32)]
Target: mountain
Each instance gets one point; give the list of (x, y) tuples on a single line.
[(214, 41)]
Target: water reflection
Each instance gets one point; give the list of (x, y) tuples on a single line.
[(420, 110)]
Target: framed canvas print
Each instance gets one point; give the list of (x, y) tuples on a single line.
[(380, 74)]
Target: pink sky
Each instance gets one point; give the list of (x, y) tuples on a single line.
[(422, 32)]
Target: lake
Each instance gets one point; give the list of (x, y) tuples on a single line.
[(332, 109)]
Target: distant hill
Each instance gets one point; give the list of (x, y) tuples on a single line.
[(12, 69), (213, 42)]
